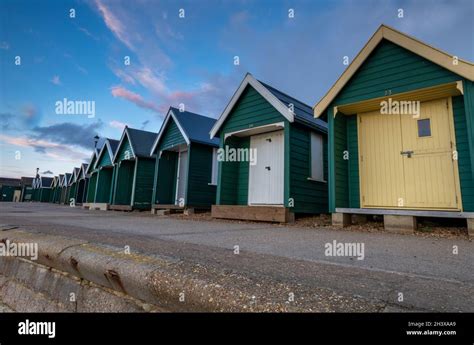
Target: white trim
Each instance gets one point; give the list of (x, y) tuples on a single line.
[(163, 127), (93, 154), (263, 91), (124, 133), (134, 184), (276, 124), (441, 58)]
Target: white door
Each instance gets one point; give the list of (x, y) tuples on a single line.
[(266, 181), (182, 177)]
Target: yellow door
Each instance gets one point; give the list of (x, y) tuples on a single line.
[(380, 162), (408, 162), (428, 145)]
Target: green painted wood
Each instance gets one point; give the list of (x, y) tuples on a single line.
[(104, 160), (235, 176), (123, 186), (251, 110), (353, 161), (171, 136), (308, 196), (199, 192), (125, 151), (464, 154), (469, 111), (91, 187), (391, 67), (166, 178), (104, 185), (145, 172)]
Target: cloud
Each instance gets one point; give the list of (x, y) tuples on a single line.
[(48, 148), (56, 80), (4, 45), (117, 124), (121, 92), (28, 116), (47, 172), (70, 134), (87, 33)]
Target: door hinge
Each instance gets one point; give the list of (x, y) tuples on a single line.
[(447, 104), (360, 119), (363, 198), (361, 158)]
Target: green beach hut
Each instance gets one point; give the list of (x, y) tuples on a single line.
[(272, 156), (186, 162)]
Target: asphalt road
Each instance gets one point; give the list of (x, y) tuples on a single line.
[(424, 271)]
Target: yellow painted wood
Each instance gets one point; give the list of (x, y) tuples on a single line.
[(429, 179), (380, 162), (430, 174)]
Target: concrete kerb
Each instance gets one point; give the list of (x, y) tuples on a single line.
[(154, 280)]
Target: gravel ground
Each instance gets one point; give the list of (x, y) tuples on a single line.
[(276, 260)]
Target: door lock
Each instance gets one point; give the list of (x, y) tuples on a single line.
[(407, 153), (268, 168)]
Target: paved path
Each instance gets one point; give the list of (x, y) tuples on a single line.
[(425, 270)]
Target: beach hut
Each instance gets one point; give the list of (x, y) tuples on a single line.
[(401, 133), (272, 156), (186, 162), (59, 187), (82, 182), (44, 187), (65, 189), (71, 186), (104, 175), (134, 171), (10, 189), (26, 188), (54, 187), (91, 175)]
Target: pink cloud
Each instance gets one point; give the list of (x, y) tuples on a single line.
[(121, 92), (117, 124)]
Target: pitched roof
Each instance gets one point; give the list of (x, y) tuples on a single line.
[(111, 146), (95, 154), (141, 141), (67, 177), (46, 182), (279, 100), (61, 178), (7, 181), (437, 56), (82, 171), (193, 127)]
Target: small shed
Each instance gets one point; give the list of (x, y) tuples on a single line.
[(59, 188), (104, 175), (82, 182), (401, 133), (65, 189), (9, 188), (92, 176), (134, 170), (272, 156), (72, 186), (26, 188), (44, 187), (186, 162), (54, 188)]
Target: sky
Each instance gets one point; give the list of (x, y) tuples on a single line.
[(132, 60)]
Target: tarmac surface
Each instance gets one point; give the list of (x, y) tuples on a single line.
[(397, 272)]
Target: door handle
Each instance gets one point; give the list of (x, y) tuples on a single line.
[(407, 153), (268, 168)]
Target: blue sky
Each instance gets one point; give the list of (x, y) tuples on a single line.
[(177, 60)]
